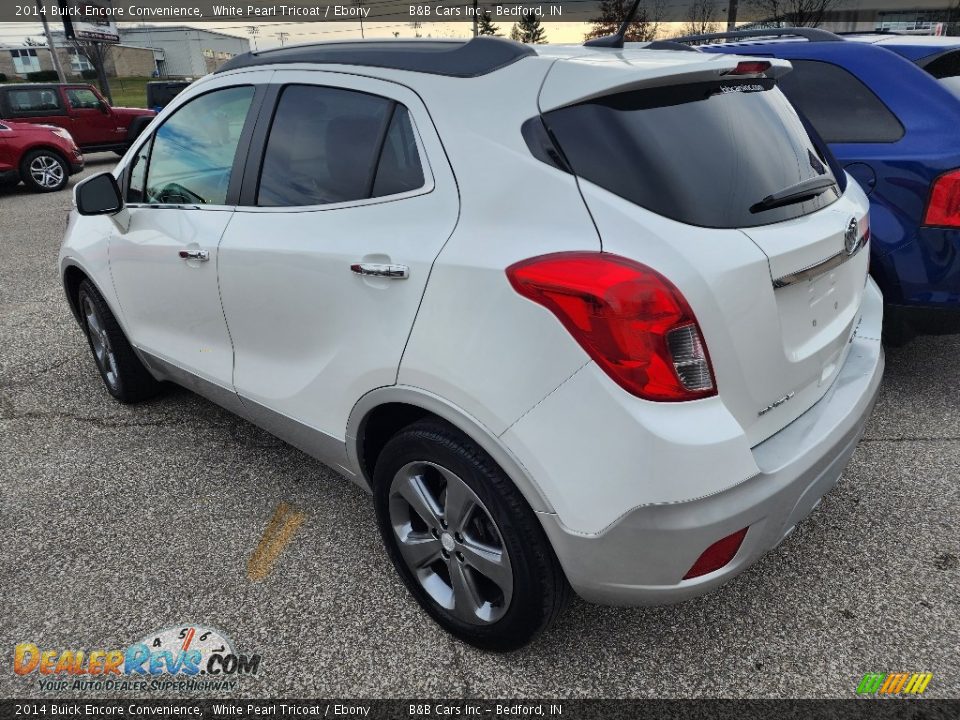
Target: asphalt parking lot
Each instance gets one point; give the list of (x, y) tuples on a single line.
[(122, 520)]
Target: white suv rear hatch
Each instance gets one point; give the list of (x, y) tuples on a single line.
[(710, 177)]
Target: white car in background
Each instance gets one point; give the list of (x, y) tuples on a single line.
[(577, 317)]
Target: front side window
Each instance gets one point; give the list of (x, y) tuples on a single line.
[(83, 98), (136, 190), (838, 105), (329, 145), (193, 152)]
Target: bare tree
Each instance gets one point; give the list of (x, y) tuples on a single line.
[(33, 42), (645, 24), (701, 18), (98, 53), (797, 13)]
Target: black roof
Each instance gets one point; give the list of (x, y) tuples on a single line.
[(453, 58)]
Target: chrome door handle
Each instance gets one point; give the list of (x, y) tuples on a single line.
[(201, 255), (394, 272)]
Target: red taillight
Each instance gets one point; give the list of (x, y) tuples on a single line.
[(750, 67), (717, 555), (943, 210), (630, 319)]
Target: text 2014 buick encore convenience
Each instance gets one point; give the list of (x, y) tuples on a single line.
[(577, 317)]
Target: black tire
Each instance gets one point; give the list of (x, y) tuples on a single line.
[(54, 177), (539, 588), (123, 374)]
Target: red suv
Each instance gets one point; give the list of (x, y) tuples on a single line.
[(43, 156), (79, 109)]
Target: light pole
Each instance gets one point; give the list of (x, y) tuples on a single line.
[(53, 50)]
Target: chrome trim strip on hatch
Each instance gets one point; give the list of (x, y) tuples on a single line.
[(817, 269)]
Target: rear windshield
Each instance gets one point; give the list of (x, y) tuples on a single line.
[(946, 65), (946, 69), (705, 154)]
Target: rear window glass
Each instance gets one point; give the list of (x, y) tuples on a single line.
[(330, 145), (944, 66), (704, 154), (839, 105)]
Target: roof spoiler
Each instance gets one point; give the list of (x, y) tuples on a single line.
[(811, 34)]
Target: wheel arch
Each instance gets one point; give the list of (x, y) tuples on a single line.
[(43, 146), (379, 414), (72, 276)]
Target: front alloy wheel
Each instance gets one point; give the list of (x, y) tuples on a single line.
[(100, 344)]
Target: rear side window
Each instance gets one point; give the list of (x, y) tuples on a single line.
[(839, 105), (34, 102), (704, 154), (329, 145)]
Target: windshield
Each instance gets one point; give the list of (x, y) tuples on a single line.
[(705, 154)]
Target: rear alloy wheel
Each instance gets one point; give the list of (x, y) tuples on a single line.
[(124, 375), (44, 171), (463, 539)]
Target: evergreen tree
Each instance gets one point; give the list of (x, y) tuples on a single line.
[(485, 25), (515, 33), (530, 31), (614, 12)]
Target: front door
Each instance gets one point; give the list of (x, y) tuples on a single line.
[(180, 197), (325, 264), (93, 122)]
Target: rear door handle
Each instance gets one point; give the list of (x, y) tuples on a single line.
[(394, 272), (201, 255)]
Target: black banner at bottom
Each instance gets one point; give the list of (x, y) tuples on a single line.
[(418, 709)]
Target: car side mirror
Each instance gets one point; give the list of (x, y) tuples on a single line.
[(99, 195)]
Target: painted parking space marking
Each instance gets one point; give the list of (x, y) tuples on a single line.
[(280, 531)]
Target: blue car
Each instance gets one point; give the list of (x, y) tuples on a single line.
[(888, 106)]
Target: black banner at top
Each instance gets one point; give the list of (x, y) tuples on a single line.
[(699, 13)]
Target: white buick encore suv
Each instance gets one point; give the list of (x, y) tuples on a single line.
[(577, 317)]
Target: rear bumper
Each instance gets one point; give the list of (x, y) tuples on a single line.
[(641, 559)]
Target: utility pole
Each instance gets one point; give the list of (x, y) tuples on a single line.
[(53, 50), (254, 30), (732, 15), (283, 37), (476, 22)]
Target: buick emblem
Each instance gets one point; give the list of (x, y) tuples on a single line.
[(851, 238)]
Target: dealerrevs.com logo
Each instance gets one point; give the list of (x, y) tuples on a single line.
[(187, 657)]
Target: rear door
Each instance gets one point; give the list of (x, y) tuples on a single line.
[(93, 120), (676, 176), (347, 200)]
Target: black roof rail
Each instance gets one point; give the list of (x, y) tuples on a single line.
[(668, 45), (811, 34), (452, 58)]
